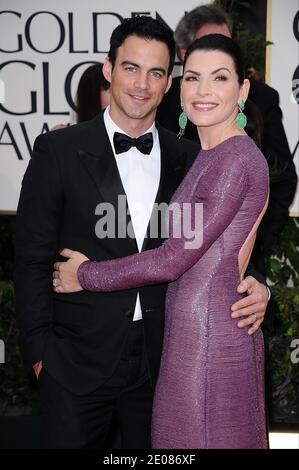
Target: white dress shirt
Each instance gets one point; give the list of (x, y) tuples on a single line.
[(140, 176)]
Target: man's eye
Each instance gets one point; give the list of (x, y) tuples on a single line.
[(221, 78), (130, 69), (156, 74)]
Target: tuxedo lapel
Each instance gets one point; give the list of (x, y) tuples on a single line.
[(103, 171), (99, 161)]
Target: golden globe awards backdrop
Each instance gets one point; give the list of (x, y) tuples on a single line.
[(283, 69), (44, 48)]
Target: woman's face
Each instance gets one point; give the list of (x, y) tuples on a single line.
[(210, 89)]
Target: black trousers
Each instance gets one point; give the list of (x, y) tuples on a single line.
[(76, 422)]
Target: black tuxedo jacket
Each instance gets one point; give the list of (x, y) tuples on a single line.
[(274, 145), (80, 336)]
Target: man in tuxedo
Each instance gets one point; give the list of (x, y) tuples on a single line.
[(209, 19), (97, 354)]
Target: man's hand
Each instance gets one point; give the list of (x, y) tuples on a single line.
[(253, 305), (38, 368), (65, 277)]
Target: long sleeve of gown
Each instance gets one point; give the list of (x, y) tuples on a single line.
[(220, 190)]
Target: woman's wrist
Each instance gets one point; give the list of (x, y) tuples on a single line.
[(81, 274)]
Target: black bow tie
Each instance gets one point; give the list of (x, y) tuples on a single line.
[(123, 143)]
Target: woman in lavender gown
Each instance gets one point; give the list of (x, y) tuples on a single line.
[(208, 364)]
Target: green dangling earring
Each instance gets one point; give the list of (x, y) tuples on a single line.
[(182, 122), (241, 119)]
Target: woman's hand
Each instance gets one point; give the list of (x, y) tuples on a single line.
[(65, 275)]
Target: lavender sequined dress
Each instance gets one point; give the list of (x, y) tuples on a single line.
[(210, 390)]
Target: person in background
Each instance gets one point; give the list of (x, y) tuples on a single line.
[(92, 95), (271, 137)]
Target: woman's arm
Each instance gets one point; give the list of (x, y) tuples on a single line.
[(221, 191)]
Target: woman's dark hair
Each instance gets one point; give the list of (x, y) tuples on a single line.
[(219, 42), (144, 27), (89, 89)]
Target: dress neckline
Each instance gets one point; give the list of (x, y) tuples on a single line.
[(228, 140)]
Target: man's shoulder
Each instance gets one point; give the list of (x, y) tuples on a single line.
[(181, 144), (75, 130), (71, 134)]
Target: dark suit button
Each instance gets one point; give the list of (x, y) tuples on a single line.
[(129, 313)]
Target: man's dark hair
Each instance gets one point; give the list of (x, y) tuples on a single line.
[(143, 27), (194, 20)]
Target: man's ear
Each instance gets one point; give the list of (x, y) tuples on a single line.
[(181, 53), (169, 82), (107, 69)]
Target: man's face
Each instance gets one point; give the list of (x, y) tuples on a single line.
[(138, 79), (212, 29)]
